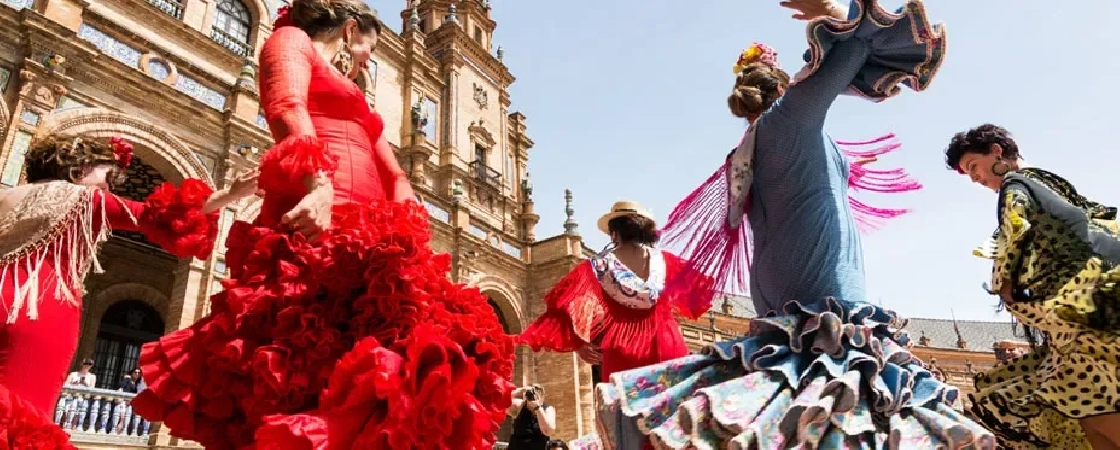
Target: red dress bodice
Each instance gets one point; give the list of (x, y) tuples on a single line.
[(303, 95)]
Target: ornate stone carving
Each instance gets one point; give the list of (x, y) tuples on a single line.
[(481, 97)]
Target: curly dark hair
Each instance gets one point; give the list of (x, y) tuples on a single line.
[(979, 140), (321, 16), (634, 228), (55, 157), (556, 444)]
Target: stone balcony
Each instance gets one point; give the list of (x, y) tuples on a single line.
[(102, 419)]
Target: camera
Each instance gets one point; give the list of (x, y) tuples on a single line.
[(531, 395)]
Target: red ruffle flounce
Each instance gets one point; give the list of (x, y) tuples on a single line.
[(173, 219), (22, 427), (358, 341)]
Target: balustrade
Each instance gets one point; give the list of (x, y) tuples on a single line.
[(100, 416)]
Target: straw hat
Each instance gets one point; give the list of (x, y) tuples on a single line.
[(623, 208)]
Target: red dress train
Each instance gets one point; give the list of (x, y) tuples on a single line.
[(355, 341), (49, 243)]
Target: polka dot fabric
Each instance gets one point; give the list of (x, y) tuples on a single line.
[(1060, 263)]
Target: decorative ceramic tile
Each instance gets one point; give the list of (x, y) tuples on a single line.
[(19, 4), (66, 103), (440, 214), (29, 117), (193, 88), (108, 45), (158, 69), (511, 250), (262, 121), (13, 167)]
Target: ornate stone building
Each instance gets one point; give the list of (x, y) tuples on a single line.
[(177, 78)]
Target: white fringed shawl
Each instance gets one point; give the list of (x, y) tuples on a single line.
[(51, 236)]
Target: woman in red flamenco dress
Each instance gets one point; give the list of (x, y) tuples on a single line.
[(50, 230), (614, 308), (338, 327)]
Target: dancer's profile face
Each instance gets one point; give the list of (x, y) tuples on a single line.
[(361, 46), (978, 167), (98, 175)]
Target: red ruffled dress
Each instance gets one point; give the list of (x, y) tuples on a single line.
[(631, 320), (355, 341), (47, 245)]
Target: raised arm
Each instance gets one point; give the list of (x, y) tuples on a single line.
[(872, 51), (809, 99)]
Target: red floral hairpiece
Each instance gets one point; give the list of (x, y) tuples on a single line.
[(282, 19), (122, 151)]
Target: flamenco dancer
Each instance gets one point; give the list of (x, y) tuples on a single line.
[(1056, 264), (823, 368), (338, 327), (615, 309), (50, 231)]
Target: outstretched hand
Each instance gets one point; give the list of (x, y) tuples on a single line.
[(812, 9)]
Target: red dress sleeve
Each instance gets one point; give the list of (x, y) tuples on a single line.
[(170, 217), (574, 314), (285, 78)]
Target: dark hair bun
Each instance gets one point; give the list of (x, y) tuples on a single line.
[(634, 228)]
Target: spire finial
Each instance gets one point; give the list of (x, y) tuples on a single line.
[(501, 53), (451, 10), (570, 225), (961, 343), (414, 17)]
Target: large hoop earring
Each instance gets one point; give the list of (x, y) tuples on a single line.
[(344, 59), (1000, 168), (75, 174)]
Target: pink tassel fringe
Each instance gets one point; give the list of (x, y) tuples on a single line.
[(891, 181), (698, 227)]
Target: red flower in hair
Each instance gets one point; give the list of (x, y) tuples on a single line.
[(122, 151), (282, 19)]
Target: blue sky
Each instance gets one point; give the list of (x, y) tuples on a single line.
[(626, 100)]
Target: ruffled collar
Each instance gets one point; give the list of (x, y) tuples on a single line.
[(626, 287)]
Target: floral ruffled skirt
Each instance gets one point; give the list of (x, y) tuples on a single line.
[(831, 376), (358, 341)]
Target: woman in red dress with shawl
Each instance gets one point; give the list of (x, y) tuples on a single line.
[(613, 308), (338, 327), (50, 230)]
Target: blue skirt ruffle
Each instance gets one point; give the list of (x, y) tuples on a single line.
[(834, 376)]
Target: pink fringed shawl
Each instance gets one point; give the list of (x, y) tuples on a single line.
[(707, 225)]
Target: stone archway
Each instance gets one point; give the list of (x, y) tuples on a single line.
[(162, 150), (95, 305), (503, 296), (123, 329)]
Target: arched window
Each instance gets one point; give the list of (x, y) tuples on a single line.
[(232, 25), (126, 326)]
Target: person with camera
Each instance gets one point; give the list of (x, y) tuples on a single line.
[(533, 420)]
